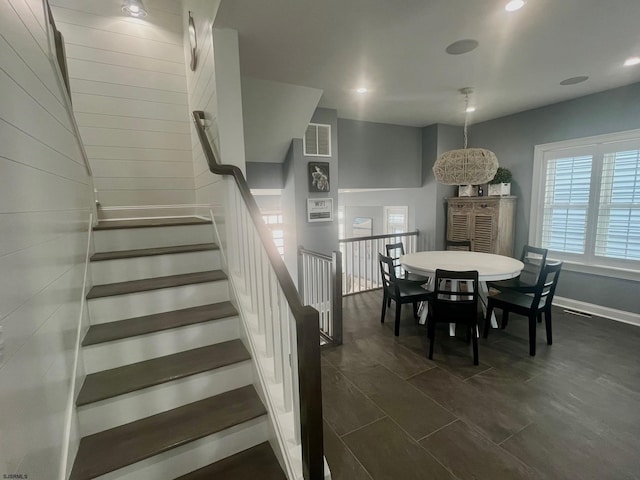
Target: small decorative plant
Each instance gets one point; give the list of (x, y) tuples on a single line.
[(503, 175), (501, 183)]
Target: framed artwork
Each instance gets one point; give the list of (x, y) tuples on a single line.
[(362, 227), (318, 177), (319, 209)]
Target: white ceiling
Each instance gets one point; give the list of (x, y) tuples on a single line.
[(396, 48)]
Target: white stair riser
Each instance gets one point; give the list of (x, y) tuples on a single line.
[(122, 352), (120, 307), (126, 269), (122, 409), (194, 455), (136, 238)]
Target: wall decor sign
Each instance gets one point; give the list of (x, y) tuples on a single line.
[(318, 176), (319, 209), (193, 43)]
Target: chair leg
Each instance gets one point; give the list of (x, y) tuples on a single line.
[(487, 321), (474, 341), (384, 306), (532, 335), (415, 310), (540, 317), (431, 333), (505, 319), (547, 319), (398, 311)]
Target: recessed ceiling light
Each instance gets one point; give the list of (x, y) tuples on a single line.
[(631, 61), (574, 80), (470, 109), (514, 5), (135, 8), (462, 46), (362, 90)]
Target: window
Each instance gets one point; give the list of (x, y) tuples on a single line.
[(341, 227), (317, 140), (586, 201), (396, 219), (273, 221)]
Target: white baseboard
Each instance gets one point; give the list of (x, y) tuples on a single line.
[(598, 310), (71, 434)]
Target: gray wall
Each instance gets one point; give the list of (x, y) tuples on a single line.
[(265, 175), (448, 138), (317, 236), (426, 204), (513, 139), (377, 155)]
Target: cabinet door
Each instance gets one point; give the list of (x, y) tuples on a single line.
[(459, 221), (484, 233)]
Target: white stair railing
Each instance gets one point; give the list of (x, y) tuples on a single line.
[(283, 333), (322, 289)]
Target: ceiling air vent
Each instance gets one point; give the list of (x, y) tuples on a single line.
[(317, 140)]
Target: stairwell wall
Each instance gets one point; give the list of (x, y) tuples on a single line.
[(130, 99), (217, 70), (45, 200)]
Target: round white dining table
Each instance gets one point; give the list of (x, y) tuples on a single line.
[(490, 268)]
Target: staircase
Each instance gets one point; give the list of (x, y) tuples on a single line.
[(169, 387)]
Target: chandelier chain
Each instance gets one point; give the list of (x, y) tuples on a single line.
[(466, 117)]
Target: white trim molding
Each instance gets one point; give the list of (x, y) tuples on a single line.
[(128, 212), (598, 310)]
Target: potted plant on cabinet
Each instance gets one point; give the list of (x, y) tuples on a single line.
[(501, 183)]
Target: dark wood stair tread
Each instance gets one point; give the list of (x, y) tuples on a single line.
[(148, 252), (146, 284), (132, 327), (151, 222), (118, 447), (129, 378), (257, 462)]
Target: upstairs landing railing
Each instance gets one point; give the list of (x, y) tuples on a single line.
[(360, 269), (280, 328)]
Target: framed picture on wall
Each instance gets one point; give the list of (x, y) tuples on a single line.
[(318, 176), (319, 209)]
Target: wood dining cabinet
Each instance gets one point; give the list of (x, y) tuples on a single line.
[(489, 222)]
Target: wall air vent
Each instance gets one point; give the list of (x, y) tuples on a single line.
[(317, 140)]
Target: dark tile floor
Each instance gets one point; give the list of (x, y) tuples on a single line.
[(571, 412)]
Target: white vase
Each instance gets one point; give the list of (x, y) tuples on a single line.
[(467, 191), (500, 189)]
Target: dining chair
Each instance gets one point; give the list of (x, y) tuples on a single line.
[(462, 245), (457, 245), (454, 304), (534, 259), (531, 306), (395, 251), (399, 290)]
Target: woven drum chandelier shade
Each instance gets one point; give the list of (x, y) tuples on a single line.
[(466, 166)]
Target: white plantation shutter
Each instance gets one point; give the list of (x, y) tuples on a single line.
[(317, 140), (586, 201), (566, 203), (618, 232)]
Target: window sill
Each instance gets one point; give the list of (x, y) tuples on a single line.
[(600, 270)]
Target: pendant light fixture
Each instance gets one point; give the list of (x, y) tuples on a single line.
[(467, 166)]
